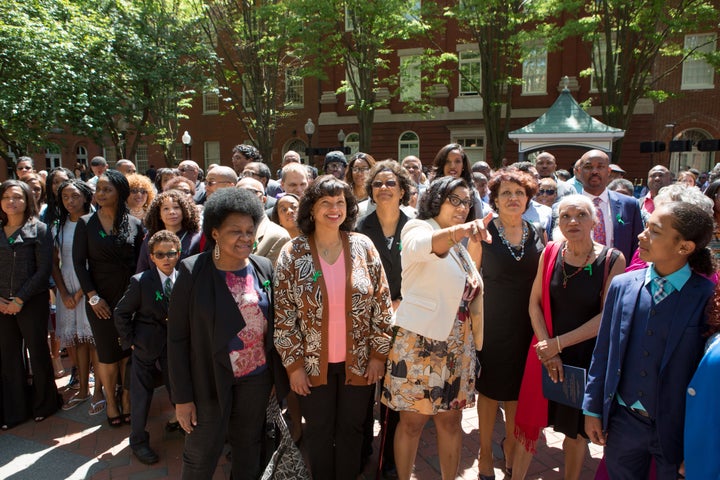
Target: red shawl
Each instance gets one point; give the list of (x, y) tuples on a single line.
[(532, 409)]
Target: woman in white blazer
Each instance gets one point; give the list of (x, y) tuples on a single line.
[(431, 364)]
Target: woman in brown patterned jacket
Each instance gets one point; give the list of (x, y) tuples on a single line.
[(332, 325)]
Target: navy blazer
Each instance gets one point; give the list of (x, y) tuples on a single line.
[(683, 351), (141, 314), (627, 222), (202, 319)]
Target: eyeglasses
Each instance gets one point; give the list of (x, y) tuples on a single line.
[(334, 166), (138, 190), (250, 173), (170, 254), (27, 167), (258, 193), (212, 183), (360, 169), (387, 183), (549, 191), (456, 201)]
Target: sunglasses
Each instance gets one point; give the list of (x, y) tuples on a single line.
[(138, 190), (170, 255), (456, 201), (547, 192), (387, 183), (24, 168)]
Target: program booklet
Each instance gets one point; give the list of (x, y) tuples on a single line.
[(568, 392)]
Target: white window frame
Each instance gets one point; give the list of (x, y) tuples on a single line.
[(211, 103), (408, 145), (600, 51), (472, 141), (350, 93), (211, 153), (53, 157), (352, 141), (469, 57), (410, 78), (697, 74), (142, 158), (534, 69), (294, 89), (110, 154), (349, 25), (81, 154)]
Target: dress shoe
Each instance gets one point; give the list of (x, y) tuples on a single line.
[(145, 454)]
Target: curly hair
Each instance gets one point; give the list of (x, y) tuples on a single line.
[(248, 151), (160, 173), (432, 200), (713, 313), (163, 236), (175, 181), (513, 175), (52, 212), (696, 225), (402, 175), (438, 164), (136, 180), (353, 160), (153, 221), (227, 201), (274, 215), (30, 207), (326, 186)]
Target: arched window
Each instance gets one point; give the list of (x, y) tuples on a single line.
[(299, 146), (352, 140), (53, 156), (81, 154), (408, 144), (702, 161)]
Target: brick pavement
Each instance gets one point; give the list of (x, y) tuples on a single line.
[(75, 445)]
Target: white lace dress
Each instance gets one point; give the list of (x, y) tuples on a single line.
[(72, 326)]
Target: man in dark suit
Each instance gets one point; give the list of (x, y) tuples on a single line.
[(619, 219), (141, 321)]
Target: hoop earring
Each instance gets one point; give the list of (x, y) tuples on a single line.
[(216, 252)]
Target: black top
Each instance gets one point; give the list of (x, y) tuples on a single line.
[(25, 260)]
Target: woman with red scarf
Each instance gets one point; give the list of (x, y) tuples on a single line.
[(565, 310)]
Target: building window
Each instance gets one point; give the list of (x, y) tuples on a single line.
[(211, 103), (294, 91), (473, 143), (300, 147), (470, 72), (696, 72), (247, 96), (81, 155), (598, 64), (141, 158), (535, 70), (408, 144), (350, 93), (53, 157), (179, 153), (211, 153), (410, 78), (349, 19), (352, 141), (110, 154)]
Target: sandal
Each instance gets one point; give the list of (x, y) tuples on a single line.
[(97, 407), (115, 422), (74, 401), (507, 470), (126, 419)]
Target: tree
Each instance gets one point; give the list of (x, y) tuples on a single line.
[(358, 35), (503, 30), (625, 39), (257, 69)]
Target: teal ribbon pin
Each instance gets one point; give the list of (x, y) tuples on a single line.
[(620, 220), (317, 275), (11, 240), (158, 295)]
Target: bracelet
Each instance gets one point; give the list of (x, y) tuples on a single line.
[(558, 344), (17, 303)]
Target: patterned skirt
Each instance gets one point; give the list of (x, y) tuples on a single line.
[(430, 376)]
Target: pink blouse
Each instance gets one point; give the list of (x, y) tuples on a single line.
[(334, 276)]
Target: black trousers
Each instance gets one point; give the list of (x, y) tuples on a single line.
[(334, 415), (142, 386), (28, 328), (242, 421)]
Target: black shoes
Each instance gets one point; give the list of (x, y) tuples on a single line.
[(145, 454)]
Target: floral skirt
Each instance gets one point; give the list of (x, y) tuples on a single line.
[(430, 376)]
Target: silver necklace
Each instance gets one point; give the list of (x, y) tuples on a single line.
[(501, 232)]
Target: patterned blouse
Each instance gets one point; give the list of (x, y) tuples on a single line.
[(301, 319)]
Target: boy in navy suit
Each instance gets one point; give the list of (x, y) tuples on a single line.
[(141, 321), (649, 345)]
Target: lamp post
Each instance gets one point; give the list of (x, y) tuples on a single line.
[(341, 138), (309, 131), (187, 141)]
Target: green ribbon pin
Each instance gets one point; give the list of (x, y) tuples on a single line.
[(399, 246), (317, 275), (254, 245), (103, 234), (620, 220), (11, 240), (588, 269), (266, 285), (158, 295)]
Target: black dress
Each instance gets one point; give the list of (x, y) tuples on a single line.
[(572, 306), (507, 328), (105, 263)]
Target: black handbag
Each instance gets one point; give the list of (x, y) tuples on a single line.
[(287, 462)]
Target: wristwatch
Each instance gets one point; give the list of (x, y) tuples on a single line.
[(94, 300)]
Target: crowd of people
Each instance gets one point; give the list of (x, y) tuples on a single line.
[(430, 289)]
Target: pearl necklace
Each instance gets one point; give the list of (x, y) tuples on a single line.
[(501, 232)]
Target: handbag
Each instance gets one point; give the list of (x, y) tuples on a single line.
[(286, 462)]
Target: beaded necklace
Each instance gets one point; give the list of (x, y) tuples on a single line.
[(567, 277), (501, 232)]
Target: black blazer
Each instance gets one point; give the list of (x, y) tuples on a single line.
[(370, 225), (203, 316), (141, 314)]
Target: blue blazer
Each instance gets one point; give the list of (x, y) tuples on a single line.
[(627, 222), (683, 351)]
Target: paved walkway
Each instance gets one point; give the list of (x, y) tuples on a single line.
[(75, 445)]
